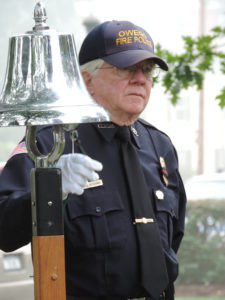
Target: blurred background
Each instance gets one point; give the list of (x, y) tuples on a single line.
[(196, 124)]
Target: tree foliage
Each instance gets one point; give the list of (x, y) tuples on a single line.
[(201, 256), (188, 69)]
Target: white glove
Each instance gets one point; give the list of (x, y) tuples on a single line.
[(77, 169)]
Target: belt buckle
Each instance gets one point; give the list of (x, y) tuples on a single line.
[(162, 296)]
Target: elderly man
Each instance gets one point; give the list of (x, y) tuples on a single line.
[(123, 230)]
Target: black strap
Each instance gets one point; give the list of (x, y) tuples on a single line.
[(153, 267)]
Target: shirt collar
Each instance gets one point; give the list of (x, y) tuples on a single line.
[(108, 132)]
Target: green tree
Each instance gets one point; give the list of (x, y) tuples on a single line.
[(201, 255), (188, 69)]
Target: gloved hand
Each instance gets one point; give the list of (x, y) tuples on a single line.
[(77, 169)]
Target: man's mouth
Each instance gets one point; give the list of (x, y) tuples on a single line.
[(137, 95)]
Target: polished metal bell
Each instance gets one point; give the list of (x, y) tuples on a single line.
[(43, 84)]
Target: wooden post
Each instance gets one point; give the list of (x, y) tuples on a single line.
[(48, 238), (49, 278)]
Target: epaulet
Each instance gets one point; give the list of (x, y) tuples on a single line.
[(21, 147), (149, 125), (144, 122)]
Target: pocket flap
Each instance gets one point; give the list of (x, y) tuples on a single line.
[(166, 201), (94, 204)]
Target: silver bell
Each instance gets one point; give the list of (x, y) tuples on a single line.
[(43, 83)]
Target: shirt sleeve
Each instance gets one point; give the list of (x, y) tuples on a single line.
[(15, 193), (15, 203), (179, 224)]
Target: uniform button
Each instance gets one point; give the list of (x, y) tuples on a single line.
[(98, 209), (159, 194)]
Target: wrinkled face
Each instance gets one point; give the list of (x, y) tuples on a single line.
[(124, 93)]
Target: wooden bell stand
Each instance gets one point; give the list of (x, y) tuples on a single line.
[(47, 218), (48, 238)]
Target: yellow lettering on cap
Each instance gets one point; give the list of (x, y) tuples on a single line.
[(136, 32), (124, 40), (130, 32), (132, 36), (143, 35), (118, 41), (129, 40), (121, 33), (142, 40)]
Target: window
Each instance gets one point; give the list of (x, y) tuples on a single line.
[(220, 160)]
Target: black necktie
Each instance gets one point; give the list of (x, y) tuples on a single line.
[(153, 267)]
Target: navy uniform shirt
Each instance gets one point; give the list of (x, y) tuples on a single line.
[(100, 242)]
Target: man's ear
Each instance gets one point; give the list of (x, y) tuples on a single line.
[(88, 81)]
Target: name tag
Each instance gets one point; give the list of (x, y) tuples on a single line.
[(93, 184)]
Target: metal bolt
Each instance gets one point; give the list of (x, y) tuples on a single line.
[(98, 209), (54, 276), (50, 223)]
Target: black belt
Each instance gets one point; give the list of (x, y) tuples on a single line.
[(106, 298), (162, 297)]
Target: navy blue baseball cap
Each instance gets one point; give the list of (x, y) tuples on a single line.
[(119, 43)]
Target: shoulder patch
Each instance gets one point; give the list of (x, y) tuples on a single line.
[(145, 123), (20, 148)]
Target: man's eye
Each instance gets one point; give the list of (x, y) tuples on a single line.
[(148, 69)]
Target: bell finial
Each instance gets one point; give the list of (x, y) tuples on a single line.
[(40, 17)]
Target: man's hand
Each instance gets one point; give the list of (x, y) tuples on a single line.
[(77, 169)]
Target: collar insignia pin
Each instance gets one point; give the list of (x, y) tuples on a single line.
[(134, 131), (106, 125)]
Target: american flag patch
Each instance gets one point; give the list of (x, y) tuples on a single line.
[(20, 148)]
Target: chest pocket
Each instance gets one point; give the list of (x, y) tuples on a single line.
[(166, 207), (96, 221)]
